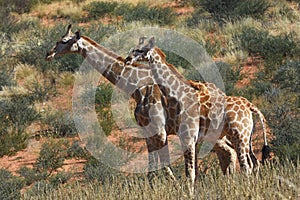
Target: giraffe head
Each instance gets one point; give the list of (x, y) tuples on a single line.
[(67, 44), (142, 51)]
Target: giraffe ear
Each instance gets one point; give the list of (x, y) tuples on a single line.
[(151, 42), (77, 34), (69, 29)]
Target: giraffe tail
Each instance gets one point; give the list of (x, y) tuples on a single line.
[(266, 149)]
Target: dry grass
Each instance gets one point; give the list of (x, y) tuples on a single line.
[(273, 182)]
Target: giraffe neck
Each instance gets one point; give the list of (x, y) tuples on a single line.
[(166, 74), (112, 66)]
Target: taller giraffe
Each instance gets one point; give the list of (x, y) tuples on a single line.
[(137, 81), (238, 122)]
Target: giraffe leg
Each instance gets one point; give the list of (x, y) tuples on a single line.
[(244, 157), (190, 159), (164, 157), (152, 159), (226, 155), (253, 157)]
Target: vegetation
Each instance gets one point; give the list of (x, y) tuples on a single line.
[(36, 96), (140, 12), (275, 181), (10, 185)]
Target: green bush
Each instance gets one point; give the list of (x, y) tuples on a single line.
[(16, 114), (60, 123), (32, 175), (98, 9), (282, 113), (142, 12), (12, 142), (288, 76), (10, 186), (96, 170), (52, 155), (273, 49), (5, 78), (76, 151), (226, 10), (59, 178), (103, 107)]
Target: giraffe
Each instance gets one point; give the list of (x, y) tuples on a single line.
[(238, 129), (139, 82), (236, 133)]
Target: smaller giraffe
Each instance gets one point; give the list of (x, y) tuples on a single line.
[(175, 86), (236, 133)]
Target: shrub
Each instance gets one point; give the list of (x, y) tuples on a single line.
[(16, 114), (274, 49), (142, 12), (98, 9), (32, 175), (59, 178), (103, 107), (10, 186), (60, 123), (52, 155), (96, 170), (281, 110), (226, 10), (288, 76), (5, 78), (11, 115), (76, 151), (12, 142)]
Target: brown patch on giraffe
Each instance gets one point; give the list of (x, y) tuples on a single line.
[(171, 81), (166, 76), (143, 74), (126, 72), (235, 108), (230, 116), (133, 77), (116, 68), (156, 92), (247, 150), (245, 121)]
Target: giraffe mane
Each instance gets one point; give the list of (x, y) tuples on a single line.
[(172, 67), (110, 53), (95, 44)]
